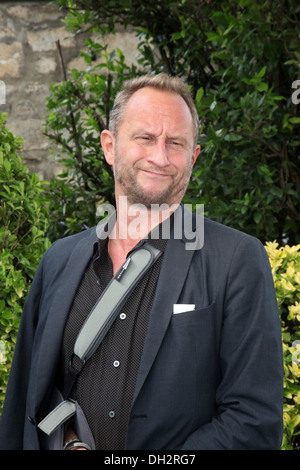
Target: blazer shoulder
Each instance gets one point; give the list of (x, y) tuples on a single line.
[(62, 249), (220, 232), (66, 244), (226, 241)]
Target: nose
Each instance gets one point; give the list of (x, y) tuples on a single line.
[(159, 155)]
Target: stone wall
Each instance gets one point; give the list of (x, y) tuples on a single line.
[(29, 63)]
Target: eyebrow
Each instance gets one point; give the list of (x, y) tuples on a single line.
[(144, 132)]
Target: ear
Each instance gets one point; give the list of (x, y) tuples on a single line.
[(108, 145), (195, 154)]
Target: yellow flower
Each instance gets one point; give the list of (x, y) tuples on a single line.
[(292, 249), (275, 263), (294, 368), (271, 245), (297, 277), (297, 400), (290, 271), (287, 285), (295, 308), (271, 249)]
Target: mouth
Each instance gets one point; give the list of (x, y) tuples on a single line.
[(156, 174)]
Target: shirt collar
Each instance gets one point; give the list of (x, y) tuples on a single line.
[(157, 238)]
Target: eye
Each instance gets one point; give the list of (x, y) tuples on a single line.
[(175, 143), (144, 138)]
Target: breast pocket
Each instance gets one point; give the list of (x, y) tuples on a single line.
[(193, 339), (197, 316)]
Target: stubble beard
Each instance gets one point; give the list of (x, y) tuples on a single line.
[(136, 194)]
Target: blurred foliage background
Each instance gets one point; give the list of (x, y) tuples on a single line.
[(240, 59)]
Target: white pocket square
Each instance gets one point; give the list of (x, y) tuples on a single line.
[(181, 308)]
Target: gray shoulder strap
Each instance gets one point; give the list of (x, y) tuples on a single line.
[(98, 323), (102, 315)]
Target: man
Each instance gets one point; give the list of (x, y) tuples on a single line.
[(209, 377)]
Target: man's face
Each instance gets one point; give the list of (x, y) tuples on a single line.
[(153, 154)]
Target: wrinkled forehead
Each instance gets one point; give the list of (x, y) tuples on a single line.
[(153, 106)]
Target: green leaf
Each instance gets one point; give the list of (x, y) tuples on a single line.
[(262, 86), (262, 72), (276, 191), (232, 137), (212, 36), (294, 120)]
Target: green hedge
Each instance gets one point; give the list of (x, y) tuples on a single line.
[(23, 222), (285, 263)]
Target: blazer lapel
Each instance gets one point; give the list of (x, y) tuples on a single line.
[(173, 273)]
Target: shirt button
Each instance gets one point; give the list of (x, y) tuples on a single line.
[(116, 363), (111, 414), (123, 316)]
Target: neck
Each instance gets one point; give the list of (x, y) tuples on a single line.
[(134, 222)]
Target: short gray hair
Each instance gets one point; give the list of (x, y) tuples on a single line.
[(161, 82)]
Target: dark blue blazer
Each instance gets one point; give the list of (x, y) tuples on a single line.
[(210, 378)]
